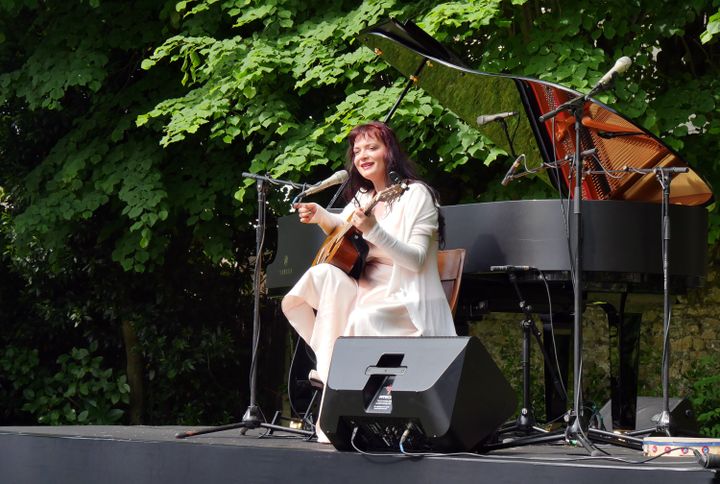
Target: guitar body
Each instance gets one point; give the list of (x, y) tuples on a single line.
[(345, 249)]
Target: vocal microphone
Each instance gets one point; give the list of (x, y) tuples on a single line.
[(512, 170), (621, 65), (512, 268), (489, 118), (336, 179)]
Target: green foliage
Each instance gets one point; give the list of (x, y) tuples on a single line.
[(706, 394), (81, 390), (240, 84), (453, 21), (713, 28), (126, 126), (275, 86), (177, 361)]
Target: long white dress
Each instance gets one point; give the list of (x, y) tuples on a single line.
[(399, 292)]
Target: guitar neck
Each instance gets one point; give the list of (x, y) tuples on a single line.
[(387, 194), (367, 208)]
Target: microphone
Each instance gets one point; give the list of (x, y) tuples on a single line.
[(511, 268), (571, 157), (617, 134), (336, 179), (671, 169), (489, 118), (512, 170), (621, 65)]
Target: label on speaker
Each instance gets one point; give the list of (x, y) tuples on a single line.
[(382, 401)]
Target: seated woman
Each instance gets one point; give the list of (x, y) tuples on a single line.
[(399, 292)]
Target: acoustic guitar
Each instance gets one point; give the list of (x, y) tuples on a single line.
[(344, 247)]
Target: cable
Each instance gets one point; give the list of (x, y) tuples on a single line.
[(260, 243), (290, 389), (371, 454), (706, 461), (552, 331), (609, 173), (404, 437)]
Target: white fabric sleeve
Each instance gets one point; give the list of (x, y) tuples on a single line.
[(327, 220), (412, 252), (410, 255)]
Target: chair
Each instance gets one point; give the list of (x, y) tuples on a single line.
[(450, 267)]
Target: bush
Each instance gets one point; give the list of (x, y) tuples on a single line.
[(706, 395), (80, 391)]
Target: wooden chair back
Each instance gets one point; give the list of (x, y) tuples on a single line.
[(450, 266)]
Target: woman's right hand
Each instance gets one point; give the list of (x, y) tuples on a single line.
[(306, 211)]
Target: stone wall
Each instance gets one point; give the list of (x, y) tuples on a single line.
[(694, 333)]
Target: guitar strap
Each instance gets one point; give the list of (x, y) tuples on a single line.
[(362, 249)]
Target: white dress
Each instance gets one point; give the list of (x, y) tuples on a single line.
[(399, 292)]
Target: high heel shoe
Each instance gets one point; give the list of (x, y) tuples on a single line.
[(315, 379)]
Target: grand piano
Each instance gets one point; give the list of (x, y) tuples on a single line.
[(621, 226)]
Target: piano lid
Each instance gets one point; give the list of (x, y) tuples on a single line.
[(620, 145)]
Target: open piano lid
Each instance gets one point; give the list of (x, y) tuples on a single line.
[(619, 142)]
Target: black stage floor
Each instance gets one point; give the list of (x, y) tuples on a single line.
[(119, 454)]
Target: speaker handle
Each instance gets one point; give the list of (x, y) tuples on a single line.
[(382, 370)]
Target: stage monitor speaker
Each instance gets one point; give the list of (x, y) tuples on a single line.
[(682, 417), (445, 393)]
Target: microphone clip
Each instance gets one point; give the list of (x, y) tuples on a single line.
[(510, 175)]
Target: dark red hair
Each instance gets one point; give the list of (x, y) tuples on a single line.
[(396, 159)]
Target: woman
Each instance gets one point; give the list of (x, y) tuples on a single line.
[(398, 292)]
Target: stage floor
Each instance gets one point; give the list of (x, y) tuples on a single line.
[(140, 454)]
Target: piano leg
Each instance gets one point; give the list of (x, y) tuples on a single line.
[(624, 364), (462, 322), (556, 404)]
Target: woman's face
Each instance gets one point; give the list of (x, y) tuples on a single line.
[(369, 159)]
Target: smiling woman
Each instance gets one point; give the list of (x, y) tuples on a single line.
[(398, 292), (369, 159)]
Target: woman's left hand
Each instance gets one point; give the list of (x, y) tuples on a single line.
[(364, 223)]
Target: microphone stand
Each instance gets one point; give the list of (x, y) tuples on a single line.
[(576, 431), (507, 136), (252, 417), (664, 177), (526, 421)]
